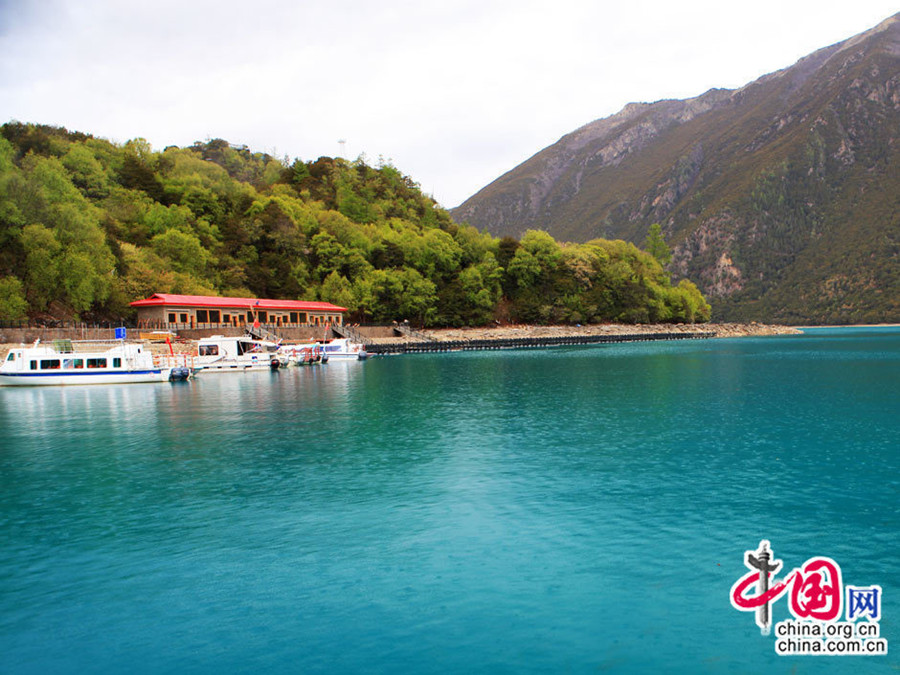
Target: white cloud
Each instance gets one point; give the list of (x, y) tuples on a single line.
[(455, 93)]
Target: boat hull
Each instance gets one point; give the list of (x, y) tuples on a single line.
[(92, 377), (342, 349), (343, 356), (232, 367), (222, 354)]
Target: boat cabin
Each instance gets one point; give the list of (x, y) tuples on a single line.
[(232, 347)]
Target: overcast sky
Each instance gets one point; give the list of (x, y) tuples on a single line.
[(454, 93)]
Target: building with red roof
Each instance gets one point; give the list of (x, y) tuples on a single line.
[(173, 312)]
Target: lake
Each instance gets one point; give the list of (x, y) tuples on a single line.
[(573, 509)]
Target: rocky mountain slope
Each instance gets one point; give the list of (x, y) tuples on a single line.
[(780, 199)]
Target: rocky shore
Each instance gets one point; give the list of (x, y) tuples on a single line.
[(526, 331)]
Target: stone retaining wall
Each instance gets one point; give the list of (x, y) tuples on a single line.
[(29, 335)]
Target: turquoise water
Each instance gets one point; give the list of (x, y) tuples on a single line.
[(563, 510)]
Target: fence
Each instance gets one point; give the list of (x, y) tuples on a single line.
[(219, 325), (65, 325), (15, 332)]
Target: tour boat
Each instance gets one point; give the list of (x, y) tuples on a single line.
[(342, 349), (221, 354), (303, 354), (80, 362), (339, 349)]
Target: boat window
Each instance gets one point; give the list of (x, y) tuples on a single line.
[(78, 363), (117, 362), (96, 363), (208, 350), (33, 365), (11, 356), (49, 364)]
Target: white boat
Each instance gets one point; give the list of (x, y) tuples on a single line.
[(342, 349), (80, 362), (302, 354), (221, 354), (339, 349)]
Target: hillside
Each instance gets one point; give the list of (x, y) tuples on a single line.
[(780, 199), (87, 226)]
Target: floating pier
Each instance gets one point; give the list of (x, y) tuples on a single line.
[(415, 347)]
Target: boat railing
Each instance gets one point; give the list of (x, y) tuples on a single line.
[(173, 361), (66, 346)]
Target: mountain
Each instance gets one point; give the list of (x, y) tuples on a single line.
[(780, 199)]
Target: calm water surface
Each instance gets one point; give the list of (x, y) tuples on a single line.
[(576, 509)]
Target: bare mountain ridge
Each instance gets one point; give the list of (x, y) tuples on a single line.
[(765, 191)]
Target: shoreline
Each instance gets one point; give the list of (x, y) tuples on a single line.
[(525, 331), (721, 330), (853, 325)]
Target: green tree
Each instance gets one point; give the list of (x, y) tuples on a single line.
[(184, 252), (138, 169), (543, 247), (478, 295), (13, 305), (656, 245), (160, 218), (524, 268), (83, 286), (87, 173), (418, 296), (41, 266), (337, 290), (365, 295)]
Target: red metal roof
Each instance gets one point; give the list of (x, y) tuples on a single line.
[(165, 299)]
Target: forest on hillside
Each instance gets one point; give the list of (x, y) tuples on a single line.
[(88, 226)]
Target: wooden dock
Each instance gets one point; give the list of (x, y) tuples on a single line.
[(417, 346)]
